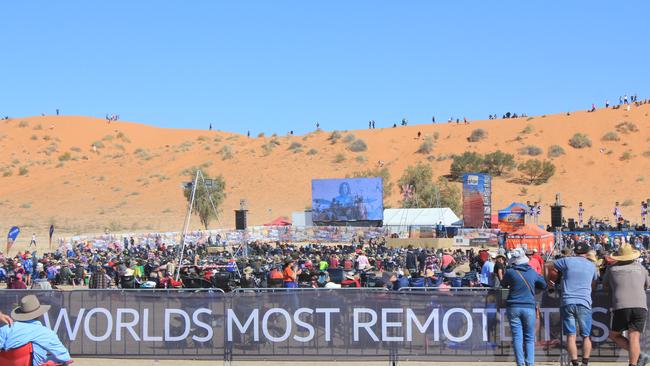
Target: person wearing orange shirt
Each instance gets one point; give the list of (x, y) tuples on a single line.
[(289, 274)]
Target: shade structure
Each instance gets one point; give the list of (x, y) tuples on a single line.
[(530, 237), (279, 221)]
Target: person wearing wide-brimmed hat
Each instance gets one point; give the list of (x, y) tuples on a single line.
[(26, 329), (578, 278), (627, 281)]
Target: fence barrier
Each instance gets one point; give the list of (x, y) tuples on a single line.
[(272, 324)]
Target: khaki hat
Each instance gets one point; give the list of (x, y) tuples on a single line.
[(626, 253), (29, 308), (248, 270)]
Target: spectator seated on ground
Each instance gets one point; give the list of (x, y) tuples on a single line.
[(46, 346)]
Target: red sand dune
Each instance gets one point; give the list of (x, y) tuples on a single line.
[(133, 181)]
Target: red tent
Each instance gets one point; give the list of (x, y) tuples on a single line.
[(279, 221), (530, 237)]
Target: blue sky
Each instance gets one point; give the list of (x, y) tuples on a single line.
[(275, 66)]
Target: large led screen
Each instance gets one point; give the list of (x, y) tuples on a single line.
[(350, 199)]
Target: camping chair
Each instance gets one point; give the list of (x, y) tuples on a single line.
[(22, 356)]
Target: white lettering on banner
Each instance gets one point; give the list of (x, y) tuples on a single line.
[(300, 323), (484, 319), (265, 325), (119, 323), (385, 324), (502, 326), (597, 324), (546, 315), (365, 325), (168, 327), (252, 319), (200, 324), (328, 319), (469, 323), (109, 325), (63, 315), (411, 319), (145, 328)]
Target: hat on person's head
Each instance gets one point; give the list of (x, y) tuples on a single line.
[(592, 256), (493, 255), (349, 275), (626, 253), (29, 308), (581, 248), (529, 252), (517, 257), (248, 270)]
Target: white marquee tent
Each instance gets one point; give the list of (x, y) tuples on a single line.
[(420, 217)]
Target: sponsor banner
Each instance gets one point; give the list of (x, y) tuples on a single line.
[(477, 200), (344, 324)]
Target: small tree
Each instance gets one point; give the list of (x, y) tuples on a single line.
[(498, 162), (555, 151), (202, 206), (536, 171), (469, 162), (426, 191)]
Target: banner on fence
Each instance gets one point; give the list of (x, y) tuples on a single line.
[(428, 325)]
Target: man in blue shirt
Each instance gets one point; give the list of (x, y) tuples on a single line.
[(25, 329), (578, 276)]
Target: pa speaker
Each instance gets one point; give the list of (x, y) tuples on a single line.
[(556, 216), (572, 224), (240, 219)]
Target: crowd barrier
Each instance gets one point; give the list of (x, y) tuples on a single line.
[(272, 324)]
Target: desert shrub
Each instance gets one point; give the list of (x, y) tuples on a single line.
[(312, 151), (477, 135), (611, 136), (626, 127), (142, 154), (26, 205), (528, 129), (267, 148), (339, 158), (23, 170), (47, 138), (468, 162), (436, 135), (348, 138), (38, 127), (358, 146), (260, 135), (531, 150), (34, 137), (23, 124), (498, 162), (361, 159), (626, 156), (426, 147), (555, 151), (579, 141), (120, 135), (75, 149), (646, 154), (65, 156), (108, 138), (226, 152), (335, 136), (628, 202), (536, 171), (295, 146), (202, 138), (98, 144)]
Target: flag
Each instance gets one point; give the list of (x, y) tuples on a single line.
[(11, 237), (51, 233)]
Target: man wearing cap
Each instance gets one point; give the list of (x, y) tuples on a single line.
[(26, 329), (578, 279), (627, 281)]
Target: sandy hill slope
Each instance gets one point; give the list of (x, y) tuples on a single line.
[(49, 172)]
